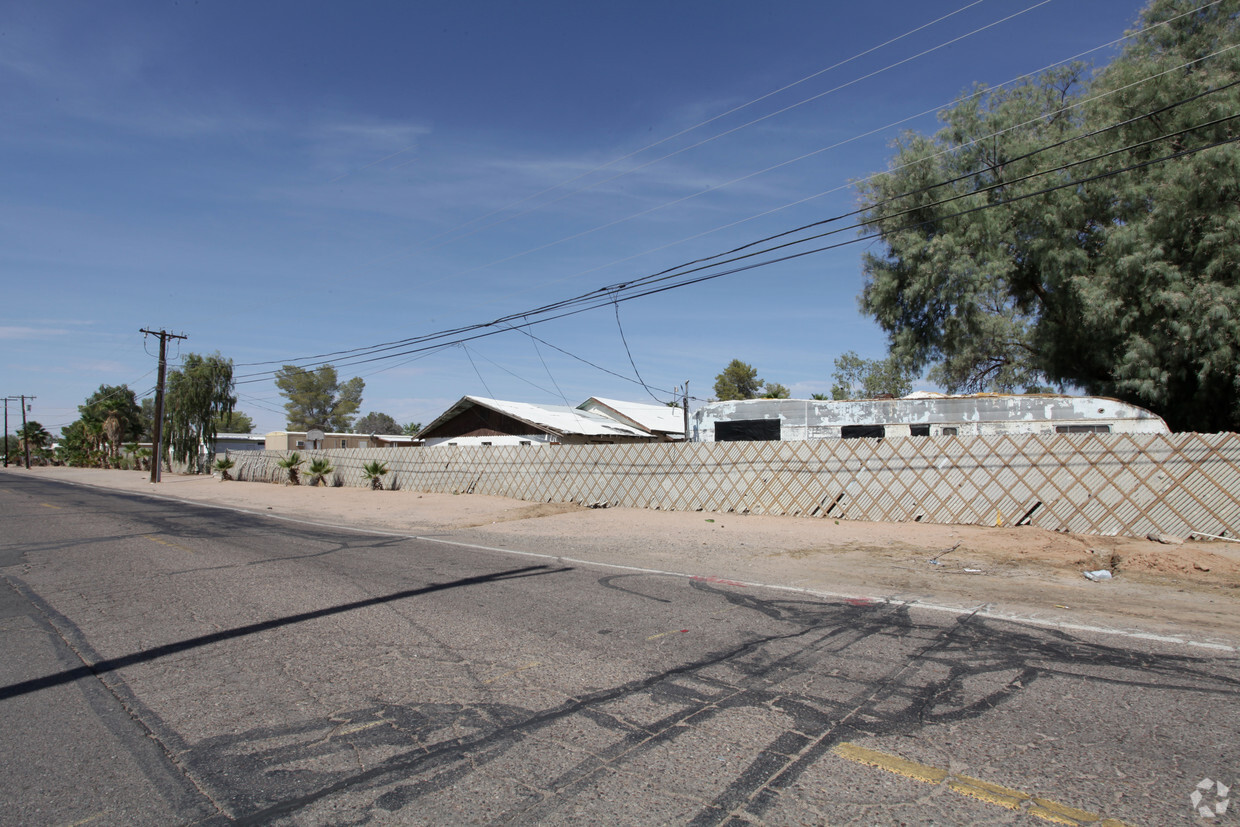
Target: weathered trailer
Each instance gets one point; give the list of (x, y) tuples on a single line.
[(919, 415)]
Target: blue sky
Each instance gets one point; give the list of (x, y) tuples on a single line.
[(277, 180)]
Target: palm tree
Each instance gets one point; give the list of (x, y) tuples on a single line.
[(291, 464), (114, 429), (374, 471), (94, 444), (34, 437), (224, 465), (319, 468)]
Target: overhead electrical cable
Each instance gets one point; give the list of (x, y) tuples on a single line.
[(515, 375), (680, 200), (650, 287), (681, 267), (534, 342), (629, 353), (583, 360), (990, 136), (838, 187), (469, 356)]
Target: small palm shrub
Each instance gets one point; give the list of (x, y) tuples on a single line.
[(291, 464), (374, 471), (224, 465), (318, 470)]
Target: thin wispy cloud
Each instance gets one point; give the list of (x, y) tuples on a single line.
[(12, 332)]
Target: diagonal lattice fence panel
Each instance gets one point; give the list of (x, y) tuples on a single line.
[(1088, 483)]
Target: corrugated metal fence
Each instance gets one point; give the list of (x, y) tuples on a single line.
[(1089, 483)]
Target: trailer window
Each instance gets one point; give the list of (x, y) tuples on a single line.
[(919, 430), (863, 432), (1082, 429), (747, 430)]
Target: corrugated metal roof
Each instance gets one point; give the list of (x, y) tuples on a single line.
[(559, 419), (659, 419)]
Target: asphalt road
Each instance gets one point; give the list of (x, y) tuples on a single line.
[(162, 663)]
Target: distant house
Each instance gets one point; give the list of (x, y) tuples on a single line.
[(239, 442), (476, 420), (919, 415), (302, 440), (658, 420)]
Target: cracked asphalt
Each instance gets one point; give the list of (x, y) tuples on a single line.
[(166, 663)]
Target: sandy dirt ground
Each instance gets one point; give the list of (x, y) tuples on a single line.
[(1189, 590)]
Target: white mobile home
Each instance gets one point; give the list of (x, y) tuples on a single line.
[(919, 415)]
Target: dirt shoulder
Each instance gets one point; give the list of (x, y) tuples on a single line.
[(1191, 590)]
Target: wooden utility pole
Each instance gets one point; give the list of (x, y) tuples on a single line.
[(686, 410), (6, 431), (157, 429)]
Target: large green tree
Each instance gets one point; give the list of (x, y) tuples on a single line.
[(318, 399), (739, 380), (35, 437), (114, 401), (234, 422), (857, 378), (377, 423), (1078, 231), (196, 395)]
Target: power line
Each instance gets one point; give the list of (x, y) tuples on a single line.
[(756, 173), (512, 374), (534, 342), (464, 329), (870, 133), (476, 371), (679, 272), (575, 308), (629, 353)]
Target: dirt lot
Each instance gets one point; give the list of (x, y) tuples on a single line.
[(1190, 589)]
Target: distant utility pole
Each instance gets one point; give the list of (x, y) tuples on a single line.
[(26, 438), (158, 427), (6, 430), (25, 442)]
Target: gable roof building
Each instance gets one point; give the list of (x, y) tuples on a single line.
[(659, 420), (477, 420)]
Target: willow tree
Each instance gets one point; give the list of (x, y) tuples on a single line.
[(197, 395), (1077, 231)]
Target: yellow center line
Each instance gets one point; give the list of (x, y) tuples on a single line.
[(512, 672), (1042, 808), (168, 544), (49, 505)]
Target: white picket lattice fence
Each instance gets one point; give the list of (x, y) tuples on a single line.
[(1088, 483)]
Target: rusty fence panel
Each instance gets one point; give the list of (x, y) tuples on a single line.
[(1088, 483)]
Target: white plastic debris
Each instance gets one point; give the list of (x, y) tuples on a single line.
[(1100, 574)]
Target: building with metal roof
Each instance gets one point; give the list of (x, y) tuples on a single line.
[(660, 420), (477, 420)]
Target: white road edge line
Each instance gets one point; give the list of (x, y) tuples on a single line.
[(979, 611)]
